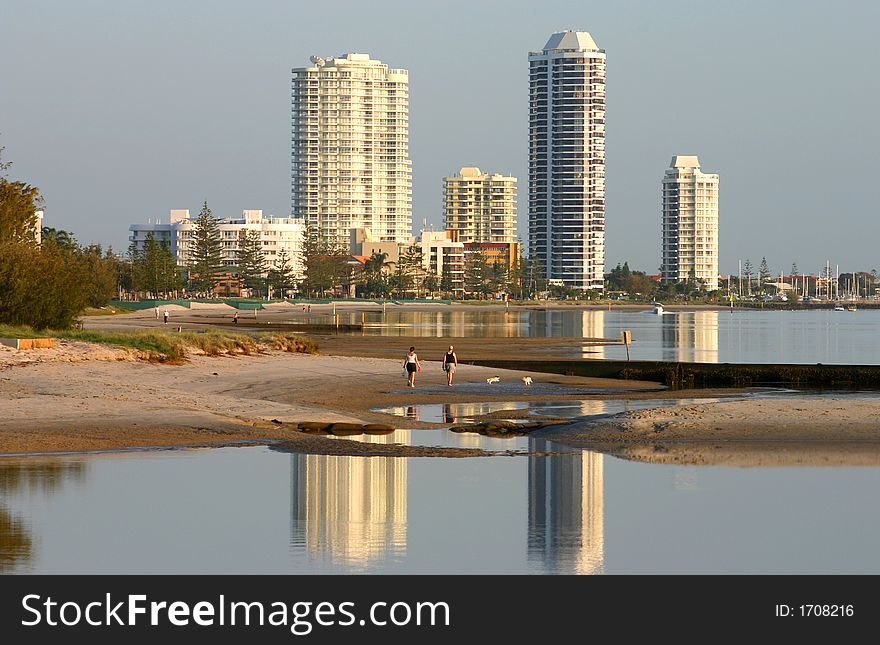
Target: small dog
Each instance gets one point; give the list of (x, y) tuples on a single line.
[(493, 379), (527, 380)]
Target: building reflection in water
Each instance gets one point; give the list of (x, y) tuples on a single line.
[(562, 323), (690, 337), (26, 477), (566, 511), (349, 511), (444, 324)]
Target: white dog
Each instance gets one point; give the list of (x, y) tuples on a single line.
[(493, 379), (527, 380)]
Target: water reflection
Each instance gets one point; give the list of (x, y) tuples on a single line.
[(535, 323), (349, 511), (352, 511), (690, 337), (16, 543), (566, 515)]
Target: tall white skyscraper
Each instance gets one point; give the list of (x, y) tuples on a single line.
[(690, 223), (567, 159), (350, 165)]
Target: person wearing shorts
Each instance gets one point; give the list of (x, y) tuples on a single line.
[(450, 360), (411, 365)]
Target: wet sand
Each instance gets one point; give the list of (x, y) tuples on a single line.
[(793, 430)]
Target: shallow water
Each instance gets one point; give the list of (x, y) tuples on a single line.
[(254, 510), (737, 336)]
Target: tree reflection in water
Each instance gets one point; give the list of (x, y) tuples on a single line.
[(18, 476)]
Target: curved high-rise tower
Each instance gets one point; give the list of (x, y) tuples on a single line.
[(567, 159)]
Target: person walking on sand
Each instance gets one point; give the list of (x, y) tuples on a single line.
[(165, 315), (411, 365), (235, 318), (450, 360), (157, 312)]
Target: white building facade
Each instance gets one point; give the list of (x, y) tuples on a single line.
[(350, 165), (276, 234), (567, 160), (442, 256), (689, 246), (480, 206)]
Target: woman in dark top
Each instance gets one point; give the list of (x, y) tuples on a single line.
[(450, 360)]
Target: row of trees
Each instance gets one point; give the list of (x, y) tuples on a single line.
[(49, 284)]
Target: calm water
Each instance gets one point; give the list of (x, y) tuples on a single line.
[(252, 510), (740, 336)]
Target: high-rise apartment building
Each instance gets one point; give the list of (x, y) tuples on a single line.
[(480, 206), (690, 223), (567, 159), (350, 148)]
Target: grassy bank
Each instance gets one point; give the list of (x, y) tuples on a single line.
[(173, 347), (107, 310)]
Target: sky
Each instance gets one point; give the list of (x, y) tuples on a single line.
[(121, 111)]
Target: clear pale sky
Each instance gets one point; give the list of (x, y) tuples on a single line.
[(120, 111)]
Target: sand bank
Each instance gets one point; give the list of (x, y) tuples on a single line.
[(792, 430)]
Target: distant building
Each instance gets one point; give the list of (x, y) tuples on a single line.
[(38, 228), (443, 256), (689, 247), (480, 206), (442, 253), (506, 253), (567, 159), (350, 165), (363, 244), (276, 234)]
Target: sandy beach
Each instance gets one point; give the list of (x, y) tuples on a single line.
[(82, 397)]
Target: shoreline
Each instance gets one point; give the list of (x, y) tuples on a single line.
[(92, 398), (95, 398)]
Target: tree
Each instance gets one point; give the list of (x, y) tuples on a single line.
[(764, 274), (747, 274), (477, 274), (281, 275), (205, 258), (401, 281), (19, 202), (251, 260), (4, 165), (499, 276), (411, 265), (446, 285), (534, 279), (158, 271), (59, 236), (375, 281), (515, 278), (326, 264)]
